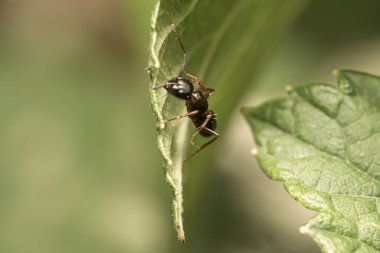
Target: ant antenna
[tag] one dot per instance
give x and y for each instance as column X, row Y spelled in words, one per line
column 207, row 91
column 182, row 47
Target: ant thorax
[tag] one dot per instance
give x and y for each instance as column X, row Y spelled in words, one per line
column 197, row 102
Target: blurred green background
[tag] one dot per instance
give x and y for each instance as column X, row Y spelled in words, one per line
column 79, row 170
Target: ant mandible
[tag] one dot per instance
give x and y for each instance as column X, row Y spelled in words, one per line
column 182, row 87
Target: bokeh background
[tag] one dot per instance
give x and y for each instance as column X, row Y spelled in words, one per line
column 79, row 170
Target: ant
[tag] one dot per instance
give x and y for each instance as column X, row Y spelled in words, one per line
column 182, row 87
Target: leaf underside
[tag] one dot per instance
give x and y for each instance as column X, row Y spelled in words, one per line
column 225, row 41
column 323, row 143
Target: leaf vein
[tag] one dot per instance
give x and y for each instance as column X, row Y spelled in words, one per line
column 349, row 164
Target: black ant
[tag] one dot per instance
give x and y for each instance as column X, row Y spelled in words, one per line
column 182, row 87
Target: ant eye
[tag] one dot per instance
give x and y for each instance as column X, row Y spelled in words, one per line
column 185, row 87
column 179, row 88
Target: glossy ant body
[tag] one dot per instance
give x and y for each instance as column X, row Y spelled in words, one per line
column 182, row 87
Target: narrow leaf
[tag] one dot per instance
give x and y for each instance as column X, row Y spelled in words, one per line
column 225, row 41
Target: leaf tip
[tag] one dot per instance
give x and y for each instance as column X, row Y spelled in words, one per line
column 181, row 237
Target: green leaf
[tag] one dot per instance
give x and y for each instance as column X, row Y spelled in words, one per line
column 323, row 142
column 226, row 41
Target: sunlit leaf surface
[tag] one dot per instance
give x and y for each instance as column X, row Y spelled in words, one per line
column 323, row 142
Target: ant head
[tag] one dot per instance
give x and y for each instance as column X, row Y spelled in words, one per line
column 179, row 87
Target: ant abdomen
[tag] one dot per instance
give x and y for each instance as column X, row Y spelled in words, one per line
column 179, row 87
column 211, row 124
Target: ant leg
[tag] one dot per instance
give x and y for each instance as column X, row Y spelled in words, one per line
column 174, row 30
column 196, row 80
column 182, row 116
column 189, row 114
column 216, row 136
column 210, row 91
